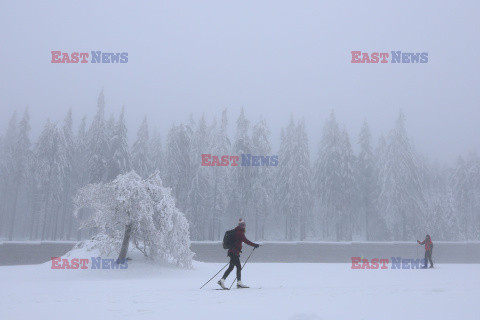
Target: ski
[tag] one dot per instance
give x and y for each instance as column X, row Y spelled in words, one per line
column 236, row 288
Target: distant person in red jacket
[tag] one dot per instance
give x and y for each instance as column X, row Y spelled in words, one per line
column 234, row 254
column 428, row 250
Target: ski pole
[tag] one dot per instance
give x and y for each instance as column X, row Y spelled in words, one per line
column 242, row 268
column 214, row 275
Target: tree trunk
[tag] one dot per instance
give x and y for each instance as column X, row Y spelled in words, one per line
column 125, row 243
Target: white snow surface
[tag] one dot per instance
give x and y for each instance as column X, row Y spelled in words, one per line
column 297, row 291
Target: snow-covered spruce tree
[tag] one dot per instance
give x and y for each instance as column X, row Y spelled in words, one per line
column 8, row 169
column 157, row 154
column 366, row 175
column 401, row 200
column 80, row 168
column 443, row 224
column 110, row 131
column 120, row 160
column 69, row 183
column 262, row 180
column 130, row 209
column 98, row 144
column 220, row 145
column 178, row 164
column 282, row 206
column 50, row 169
column 15, row 160
column 303, row 182
column 242, row 176
column 349, row 211
column 199, row 193
column 293, row 196
column 334, row 182
column 22, row 164
column 465, row 184
column 141, row 161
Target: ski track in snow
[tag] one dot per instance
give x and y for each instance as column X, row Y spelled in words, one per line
column 292, row 291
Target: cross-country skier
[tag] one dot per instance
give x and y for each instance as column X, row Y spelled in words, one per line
column 428, row 250
column 234, row 254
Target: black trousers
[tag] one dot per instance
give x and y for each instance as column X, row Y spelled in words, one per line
column 234, row 262
column 428, row 257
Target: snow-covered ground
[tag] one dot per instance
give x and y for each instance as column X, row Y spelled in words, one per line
column 287, row 291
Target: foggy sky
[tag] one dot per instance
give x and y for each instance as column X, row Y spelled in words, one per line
column 273, row 58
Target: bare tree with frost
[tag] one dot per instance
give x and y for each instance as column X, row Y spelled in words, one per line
column 143, row 212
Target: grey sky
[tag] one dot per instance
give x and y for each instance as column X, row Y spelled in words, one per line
column 274, row 58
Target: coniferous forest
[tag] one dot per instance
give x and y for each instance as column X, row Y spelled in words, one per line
column 385, row 191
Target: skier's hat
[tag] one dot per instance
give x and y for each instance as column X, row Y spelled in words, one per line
column 241, row 223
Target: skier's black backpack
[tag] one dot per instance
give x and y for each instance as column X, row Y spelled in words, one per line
column 229, row 239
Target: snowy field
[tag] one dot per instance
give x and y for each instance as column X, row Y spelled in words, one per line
column 279, row 291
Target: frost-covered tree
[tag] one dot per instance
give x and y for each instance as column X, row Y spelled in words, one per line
column 401, row 199
column 8, row 167
column 178, row 165
column 172, row 241
column 130, row 209
column 98, row 144
column 50, row 173
column 303, row 183
column 293, row 183
column 282, row 205
column 443, row 223
column 81, row 154
column 335, row 182
column 16, row 156
column 199, row 193
column 157, row 154
column 220, row 145
column 69, row 182
column 262, row 192
column 141, row 161
column 366, row 173
column 242, row 176
column 349, row 211
column 465, row 184
column 119, row 161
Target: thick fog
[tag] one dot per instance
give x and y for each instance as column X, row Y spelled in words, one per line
column 365, row 151
column 273, row 58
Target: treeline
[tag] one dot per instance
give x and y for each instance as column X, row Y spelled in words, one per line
column 384, row 192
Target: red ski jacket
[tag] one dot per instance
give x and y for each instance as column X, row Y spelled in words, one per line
column 239, row 239
column 428, row 244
